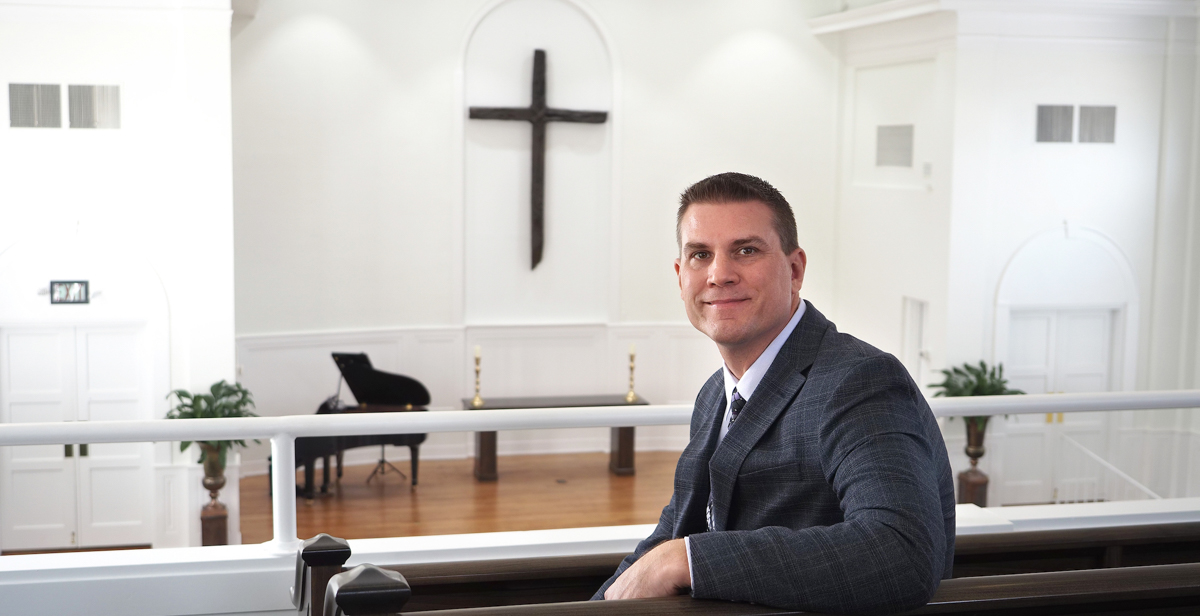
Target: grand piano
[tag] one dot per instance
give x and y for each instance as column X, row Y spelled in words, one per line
column 377, row 392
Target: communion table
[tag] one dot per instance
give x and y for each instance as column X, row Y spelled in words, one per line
column 621, row 457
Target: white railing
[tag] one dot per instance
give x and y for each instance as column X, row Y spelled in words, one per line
column 283, row 431
column 1085, row 477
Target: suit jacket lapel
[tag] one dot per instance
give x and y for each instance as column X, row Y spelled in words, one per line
column 774, row 393
column 690, row 514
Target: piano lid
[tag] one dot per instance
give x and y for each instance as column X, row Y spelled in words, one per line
column 371, row 386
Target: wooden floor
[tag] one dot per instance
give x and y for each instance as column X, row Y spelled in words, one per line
column 534, row 492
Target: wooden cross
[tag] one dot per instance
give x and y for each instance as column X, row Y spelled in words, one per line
column 538, row 114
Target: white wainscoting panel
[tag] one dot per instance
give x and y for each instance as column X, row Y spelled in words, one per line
column 291, row 374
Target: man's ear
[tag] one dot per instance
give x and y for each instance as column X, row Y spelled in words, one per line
column 678, row 277
column 798, row 262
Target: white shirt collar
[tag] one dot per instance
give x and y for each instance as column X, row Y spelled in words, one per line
column 755, row 373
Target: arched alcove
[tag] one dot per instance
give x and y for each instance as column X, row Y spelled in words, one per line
column 572, row 284
column 1076, row 270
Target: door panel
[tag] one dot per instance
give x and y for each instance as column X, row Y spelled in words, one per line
column 114, row 481
column 1085, row 340
column 1030, row 351
column 37, row 485
column 1053, row 351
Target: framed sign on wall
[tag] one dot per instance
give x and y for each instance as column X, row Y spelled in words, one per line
column 68, row 291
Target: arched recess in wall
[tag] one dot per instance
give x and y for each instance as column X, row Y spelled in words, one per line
column 126, row 291
column 574, row 282
column 1067, row 314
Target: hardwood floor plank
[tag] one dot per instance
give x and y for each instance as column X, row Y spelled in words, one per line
column 534, row 492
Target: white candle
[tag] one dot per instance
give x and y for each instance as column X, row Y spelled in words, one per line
column 632, row 349
column 477, row 353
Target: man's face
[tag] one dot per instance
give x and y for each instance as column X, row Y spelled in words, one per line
column 737, row 285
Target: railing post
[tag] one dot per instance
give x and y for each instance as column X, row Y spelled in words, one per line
column 283, row 497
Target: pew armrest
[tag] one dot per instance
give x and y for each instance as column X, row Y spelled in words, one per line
column 366, row 590
column 317, row 560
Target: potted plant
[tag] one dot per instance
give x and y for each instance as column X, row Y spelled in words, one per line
column 222, row 400
column 969, row 380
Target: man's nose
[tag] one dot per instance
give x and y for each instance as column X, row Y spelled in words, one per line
column 722, row 271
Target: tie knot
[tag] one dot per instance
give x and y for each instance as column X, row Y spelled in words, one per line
column 735, row 407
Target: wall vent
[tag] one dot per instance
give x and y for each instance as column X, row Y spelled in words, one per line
column 1097, row 124
column 34, row 105
column 894, row 146
column 95, row 106
column 1055, row 123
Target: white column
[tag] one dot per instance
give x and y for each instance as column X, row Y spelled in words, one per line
column 283, row 486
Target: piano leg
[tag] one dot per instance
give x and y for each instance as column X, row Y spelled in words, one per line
column 414, row 460
column 325, row 474
column 309, row 478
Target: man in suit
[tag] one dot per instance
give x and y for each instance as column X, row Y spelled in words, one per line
column 816, row 477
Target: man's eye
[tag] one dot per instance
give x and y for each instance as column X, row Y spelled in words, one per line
column 747, row 250
column 700, row 254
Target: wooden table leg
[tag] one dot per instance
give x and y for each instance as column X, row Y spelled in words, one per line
column 485, row 456
column 621, row 456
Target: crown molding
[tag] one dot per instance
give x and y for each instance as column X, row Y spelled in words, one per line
column 896, row 10
column 884, row 12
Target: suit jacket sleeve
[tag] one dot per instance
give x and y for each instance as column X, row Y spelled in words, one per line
column 666, row 529
column 887, row 555
column 663, row 532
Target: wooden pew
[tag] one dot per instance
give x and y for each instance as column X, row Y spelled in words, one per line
column 526, row 581
column 1075, row 549
column 1159, row 590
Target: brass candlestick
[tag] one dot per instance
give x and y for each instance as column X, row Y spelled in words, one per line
column 476, row 402
column 631, row 397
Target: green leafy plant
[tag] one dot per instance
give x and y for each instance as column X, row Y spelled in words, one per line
column 222, row 400
column 969, row 380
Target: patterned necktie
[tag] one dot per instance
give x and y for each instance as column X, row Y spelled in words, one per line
column 736, row 406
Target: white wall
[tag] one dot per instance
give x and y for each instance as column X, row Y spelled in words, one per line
column 143, row 212
column 893, row 235
column 1134, row 193
column 956, row 245
column 366, row 217
column 157, row 190
column 348, row 152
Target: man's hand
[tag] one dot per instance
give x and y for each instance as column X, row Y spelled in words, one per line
column 661, row 572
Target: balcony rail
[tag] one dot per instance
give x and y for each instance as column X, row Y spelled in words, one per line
column 1088, row 478
column 283, row 431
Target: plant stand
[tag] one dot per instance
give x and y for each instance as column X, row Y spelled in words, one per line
column 214, row 517
column 973, row 483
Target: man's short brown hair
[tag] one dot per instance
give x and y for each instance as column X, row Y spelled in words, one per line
column 731, row 187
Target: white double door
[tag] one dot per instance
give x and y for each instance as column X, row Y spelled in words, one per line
column 1052, row 351
column 80, row 494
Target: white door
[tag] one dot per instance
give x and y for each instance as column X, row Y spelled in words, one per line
column 37, row 487
column 81, row 495
column 1053, row 351
column 114, row 479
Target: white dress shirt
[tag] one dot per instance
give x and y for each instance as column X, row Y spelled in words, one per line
column 746, row 386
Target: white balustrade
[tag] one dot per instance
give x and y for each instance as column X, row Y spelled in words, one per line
column 282, row 431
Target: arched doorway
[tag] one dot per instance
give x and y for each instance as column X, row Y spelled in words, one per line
column 1066, row 322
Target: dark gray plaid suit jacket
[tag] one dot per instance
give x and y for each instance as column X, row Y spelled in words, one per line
column 831, row 493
